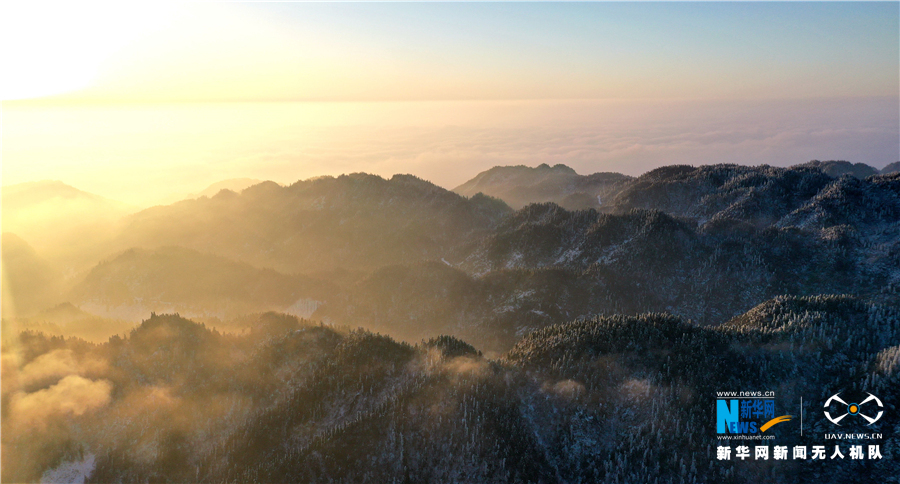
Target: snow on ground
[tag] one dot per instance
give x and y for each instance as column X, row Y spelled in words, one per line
column 70, row 472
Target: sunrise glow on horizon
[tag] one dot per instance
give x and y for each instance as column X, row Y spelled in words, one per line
column 439, row 51
column 117, row 98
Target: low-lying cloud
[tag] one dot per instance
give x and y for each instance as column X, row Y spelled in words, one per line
column 57, row 364
column 73, row 395
column 444, row 142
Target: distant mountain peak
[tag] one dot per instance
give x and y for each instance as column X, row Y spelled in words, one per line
column 558, row 168
column 891, row 168
column 838, row 168
column 521, row 185
column 23, row 195
column 63, row 313
column 233, row 184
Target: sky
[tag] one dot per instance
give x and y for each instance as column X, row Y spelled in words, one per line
column 113, row 97
column 451, row 51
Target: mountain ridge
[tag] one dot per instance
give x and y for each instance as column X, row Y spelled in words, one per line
column 310, row 402
column 520, row 185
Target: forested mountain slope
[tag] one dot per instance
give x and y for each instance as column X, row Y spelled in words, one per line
column 600, row 400
column 352, row 221
column 413, row 260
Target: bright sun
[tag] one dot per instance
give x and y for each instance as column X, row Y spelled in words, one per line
column 56, row 47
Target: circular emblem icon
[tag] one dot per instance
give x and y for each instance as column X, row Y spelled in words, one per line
column 854, row 409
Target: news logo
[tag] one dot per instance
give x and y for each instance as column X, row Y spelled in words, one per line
column 752, row 413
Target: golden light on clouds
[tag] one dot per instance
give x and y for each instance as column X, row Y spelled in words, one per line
column 73, row 395
column 148, row 102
